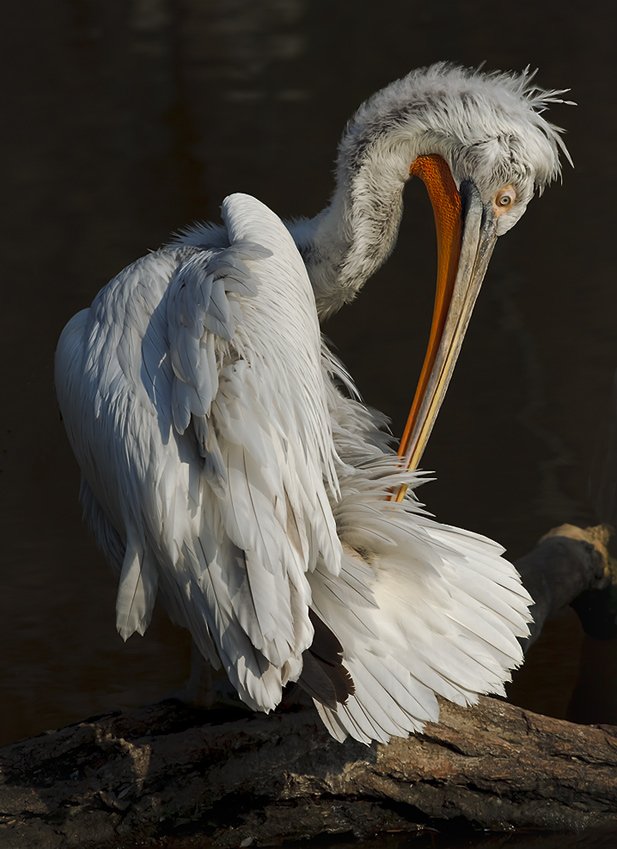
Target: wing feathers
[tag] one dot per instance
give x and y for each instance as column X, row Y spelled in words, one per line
column 136, row 591
column 421, row 610
column 245, row 353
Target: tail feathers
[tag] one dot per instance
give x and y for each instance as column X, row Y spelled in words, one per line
column 388, row 702
column 422, row 611
column 323, row 675
column 327, row 685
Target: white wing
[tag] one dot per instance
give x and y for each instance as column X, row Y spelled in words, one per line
column 194, row 399
column 421, row 609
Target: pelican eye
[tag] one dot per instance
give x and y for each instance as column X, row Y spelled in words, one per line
column 504, row 200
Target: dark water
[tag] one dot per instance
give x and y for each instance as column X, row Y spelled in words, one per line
column 125, row 120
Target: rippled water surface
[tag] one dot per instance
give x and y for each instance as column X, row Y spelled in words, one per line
column 125, row 120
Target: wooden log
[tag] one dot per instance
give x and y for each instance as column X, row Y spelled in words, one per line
column 237, row 779
column 150, row 772
column 568, row 565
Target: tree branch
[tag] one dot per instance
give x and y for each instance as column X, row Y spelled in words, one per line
column 236, row 778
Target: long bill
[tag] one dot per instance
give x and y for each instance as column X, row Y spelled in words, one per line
column 465, row 231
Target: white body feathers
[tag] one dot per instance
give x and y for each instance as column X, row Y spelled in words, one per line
column 225, row 471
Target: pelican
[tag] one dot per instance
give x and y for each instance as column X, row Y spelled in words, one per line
column 230, row 469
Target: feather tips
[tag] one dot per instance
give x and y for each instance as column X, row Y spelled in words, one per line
column 421, row 609
column 136, row 591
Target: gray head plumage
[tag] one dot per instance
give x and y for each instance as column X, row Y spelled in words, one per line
column 488, row 126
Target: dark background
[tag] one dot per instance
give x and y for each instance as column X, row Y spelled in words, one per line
column 125, row 120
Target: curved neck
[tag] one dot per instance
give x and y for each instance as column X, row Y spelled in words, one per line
column 353, row 236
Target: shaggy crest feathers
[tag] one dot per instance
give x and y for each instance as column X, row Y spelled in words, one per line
column 489, row 127
column 465, row 108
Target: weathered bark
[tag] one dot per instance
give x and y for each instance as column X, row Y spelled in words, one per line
column 232, row 777
column 570, row 565
column 147, row 772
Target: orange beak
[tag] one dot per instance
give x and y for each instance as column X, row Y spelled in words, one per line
column 465, row 231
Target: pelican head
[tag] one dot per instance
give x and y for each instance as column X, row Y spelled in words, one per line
column 483, row 148
column 489, row 128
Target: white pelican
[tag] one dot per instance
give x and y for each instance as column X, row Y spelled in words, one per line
column 227, row 466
